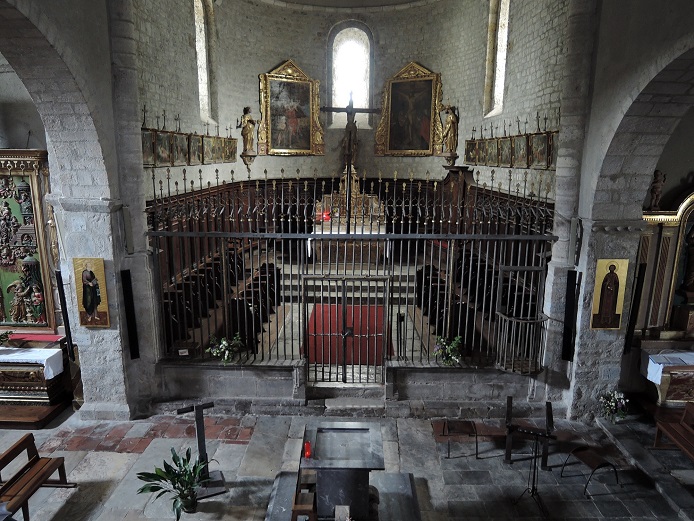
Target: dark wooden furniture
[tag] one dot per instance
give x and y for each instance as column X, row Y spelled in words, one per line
column 453, row 428
column 592, row 460
column 521, row 428
column 36, row 473
column 304, row 503
column 680, row 433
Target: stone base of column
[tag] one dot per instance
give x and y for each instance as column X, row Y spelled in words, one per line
column 105, row 411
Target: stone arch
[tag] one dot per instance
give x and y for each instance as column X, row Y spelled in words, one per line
column 642, row 128
column 58, row 99
column 77, row 117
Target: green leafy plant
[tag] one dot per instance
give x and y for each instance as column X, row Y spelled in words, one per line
column 448, row 351
column 225, row 349
column 180, row 479
column 614, row 404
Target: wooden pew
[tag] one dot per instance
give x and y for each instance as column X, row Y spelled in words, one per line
column 680, row 433
column 35, row 474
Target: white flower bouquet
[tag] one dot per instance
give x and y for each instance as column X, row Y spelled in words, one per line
column 225, row 349
column 448, row 351
column 614, row 404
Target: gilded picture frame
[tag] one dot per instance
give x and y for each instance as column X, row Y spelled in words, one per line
column 608, row 293
column 230, row 146
column 289, row 105
column 179, row 149
column 147, row 147
column 410, row 123
column 194, row 149
column 520, row 151
column 208, row 150
column 492, row 152
column 539, row 148
column 29, row 251
column 162, row 148
column 90, row 285
column 505, row 151
column 471, row 151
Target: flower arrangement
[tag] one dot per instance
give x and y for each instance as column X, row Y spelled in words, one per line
column 448, row 351
column 225, row 349
column 614, row 403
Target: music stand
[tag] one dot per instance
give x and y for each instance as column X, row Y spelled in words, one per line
column 214, row 484
column 531, row 489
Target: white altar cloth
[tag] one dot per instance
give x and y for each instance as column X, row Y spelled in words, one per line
column 51, row 359
column 652, row 365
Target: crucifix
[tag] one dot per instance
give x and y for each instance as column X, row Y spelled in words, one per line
column 144, row 116
column 177, row 122
column 474, row 131
column 546, row 122
column 163, row 127
column 518, row 123
column 538, row 121
column 349, row 145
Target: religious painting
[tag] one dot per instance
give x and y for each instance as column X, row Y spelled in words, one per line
column 492, row 152
column 180, row 149
column 539, row 150
column 520, row 151
column 147, row 147
column 505, row 151
column 608, row 294
column 162, row 155
column 90, row 284
column 208, row 152
column 26, row 261
column 195, row 149
column 409, row 124
column 218, row 150
column 230, row 146
column 554, row 147
column 289, row 104
column 471, row 151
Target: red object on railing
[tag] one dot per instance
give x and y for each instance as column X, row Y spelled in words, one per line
column 307, row 449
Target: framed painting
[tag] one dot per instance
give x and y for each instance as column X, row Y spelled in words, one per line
column 539, row 149
column 162, row 154
column 492, row 152
column 147, row 147
column 608, row 293
column 520, row 151
column 505, row 155
column 195, row 149
column 179, row 149
column 218, row 150
column 410, row 125
column 471, row 151
column 290, row 106
column 230, row 146
column 208, row 152
column 90, row 282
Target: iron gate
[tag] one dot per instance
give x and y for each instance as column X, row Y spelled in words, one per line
column 253, row 260
column 346, row 335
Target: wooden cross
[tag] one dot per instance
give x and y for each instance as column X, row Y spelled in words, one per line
column 474, row 130
column 163, row 127
column 350, row 135
column 538, row 121
column 518, row 123
column 144, row 116
column 545, row 122
column 177, row 121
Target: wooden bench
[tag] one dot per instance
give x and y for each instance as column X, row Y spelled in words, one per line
column 592, row 459
column 34, row 474
column 680, row 433
column 304, row 503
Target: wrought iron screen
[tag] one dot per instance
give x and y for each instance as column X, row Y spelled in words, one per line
column 424, row 259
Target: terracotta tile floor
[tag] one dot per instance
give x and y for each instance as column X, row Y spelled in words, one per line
column 118, row 437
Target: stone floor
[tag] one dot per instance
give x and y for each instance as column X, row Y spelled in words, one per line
column 104, row 458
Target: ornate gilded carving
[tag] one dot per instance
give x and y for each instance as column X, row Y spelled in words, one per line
column 410, row 123
column 289, row 102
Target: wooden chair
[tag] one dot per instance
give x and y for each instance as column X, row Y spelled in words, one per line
column 522, row 428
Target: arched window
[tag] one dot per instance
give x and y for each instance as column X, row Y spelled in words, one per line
column 351, row 70
column 497, row 47
column 203, row 50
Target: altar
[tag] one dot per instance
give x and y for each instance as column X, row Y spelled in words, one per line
column 672, row 373
column 349, row 211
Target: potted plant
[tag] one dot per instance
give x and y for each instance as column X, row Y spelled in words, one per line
column 180, row 479
column 448, row 351
column 226, row 349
